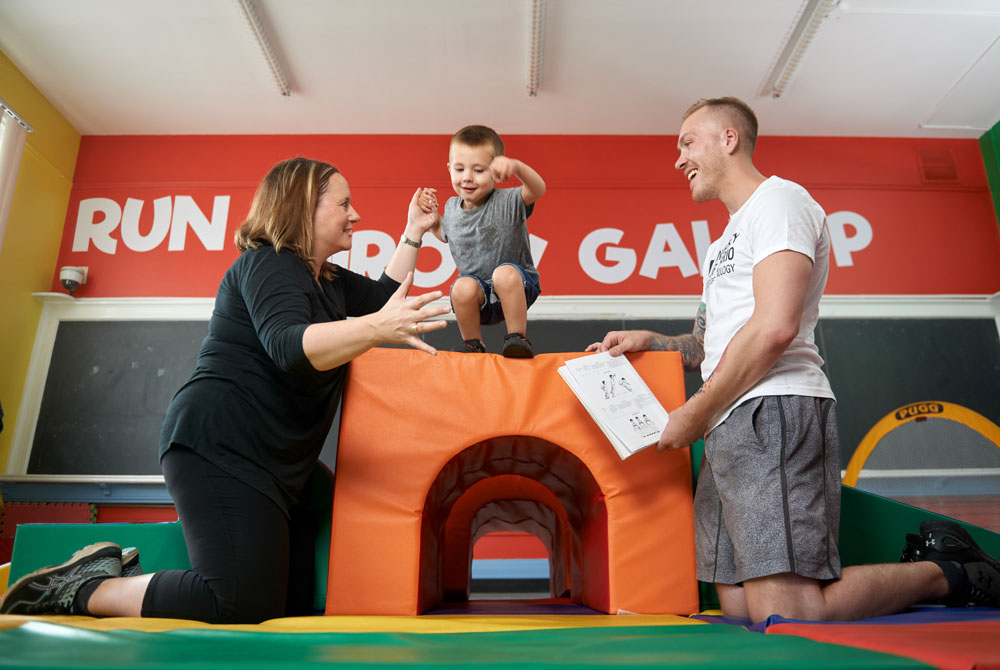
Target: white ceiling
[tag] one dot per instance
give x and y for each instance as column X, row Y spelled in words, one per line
column 890, row 68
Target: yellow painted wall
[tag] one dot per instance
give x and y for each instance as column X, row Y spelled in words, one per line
column 34, row 231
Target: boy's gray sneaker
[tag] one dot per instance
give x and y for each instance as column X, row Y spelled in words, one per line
column 51, row 590
column 130, row 562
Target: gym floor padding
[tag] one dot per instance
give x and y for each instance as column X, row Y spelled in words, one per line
column 961, row 645
column 45, row 644
column 949, row 638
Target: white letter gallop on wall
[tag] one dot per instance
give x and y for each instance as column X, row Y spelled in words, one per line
column 623, row 260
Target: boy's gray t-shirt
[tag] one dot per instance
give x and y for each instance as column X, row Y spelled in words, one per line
column 496, row 232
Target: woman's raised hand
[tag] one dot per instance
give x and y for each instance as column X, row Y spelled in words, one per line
column 423, row 211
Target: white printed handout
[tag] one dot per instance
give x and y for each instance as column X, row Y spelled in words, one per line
column 617, row 399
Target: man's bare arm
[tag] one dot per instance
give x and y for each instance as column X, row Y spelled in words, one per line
column 691, row 346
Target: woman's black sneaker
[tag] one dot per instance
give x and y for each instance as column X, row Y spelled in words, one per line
column 52, row 590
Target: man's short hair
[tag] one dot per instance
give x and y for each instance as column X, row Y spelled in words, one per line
column 738, row 113
column 479, row 136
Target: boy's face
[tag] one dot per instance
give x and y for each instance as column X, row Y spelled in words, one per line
column 471, row 176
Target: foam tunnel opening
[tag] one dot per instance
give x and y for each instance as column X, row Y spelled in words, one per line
column 510, row 562
column 515, row 482
column 506, row 503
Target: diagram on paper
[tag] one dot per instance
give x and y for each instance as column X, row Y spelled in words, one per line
column 618, row 399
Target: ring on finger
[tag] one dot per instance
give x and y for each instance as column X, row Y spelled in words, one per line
column 416, row 329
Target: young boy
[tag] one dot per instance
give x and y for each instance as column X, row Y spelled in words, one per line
column 486, row 232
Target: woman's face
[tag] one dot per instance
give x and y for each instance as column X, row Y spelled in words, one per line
column 334, row 219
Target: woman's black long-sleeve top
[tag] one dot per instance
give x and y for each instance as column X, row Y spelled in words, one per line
column 255, row 406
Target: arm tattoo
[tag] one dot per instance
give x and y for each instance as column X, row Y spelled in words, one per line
column 699, row 325
column 692, row 350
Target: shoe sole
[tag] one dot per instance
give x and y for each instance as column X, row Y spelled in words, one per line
column 950, row 527
column 517, row 349
column 87, row 553
column 469, row 349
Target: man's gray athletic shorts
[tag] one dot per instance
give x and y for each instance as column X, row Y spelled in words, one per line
column 768, row 494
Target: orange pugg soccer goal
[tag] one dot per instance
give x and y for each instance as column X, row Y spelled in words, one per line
column 935, row 455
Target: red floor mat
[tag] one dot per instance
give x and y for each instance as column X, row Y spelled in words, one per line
column 961, row 645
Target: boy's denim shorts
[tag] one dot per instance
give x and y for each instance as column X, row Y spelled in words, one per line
column 491, row 312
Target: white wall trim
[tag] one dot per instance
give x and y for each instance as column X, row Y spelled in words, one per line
column 61, row 307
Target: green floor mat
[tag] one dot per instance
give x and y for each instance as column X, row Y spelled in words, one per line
column 44, row 645
column 873, row 528
column 161, row 545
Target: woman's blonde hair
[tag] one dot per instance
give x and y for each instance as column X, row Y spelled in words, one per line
column 281, row 213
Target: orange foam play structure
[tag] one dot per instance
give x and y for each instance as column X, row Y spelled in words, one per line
column 436, row 451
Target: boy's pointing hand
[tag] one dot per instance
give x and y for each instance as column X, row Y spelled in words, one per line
column 502, row 168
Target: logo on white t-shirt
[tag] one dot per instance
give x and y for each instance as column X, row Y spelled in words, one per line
column 723, row 263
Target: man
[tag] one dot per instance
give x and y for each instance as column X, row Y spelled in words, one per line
column 767, row 505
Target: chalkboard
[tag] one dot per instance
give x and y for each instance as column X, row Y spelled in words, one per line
column 110, row 382
column 878, row 365
column 107, row 390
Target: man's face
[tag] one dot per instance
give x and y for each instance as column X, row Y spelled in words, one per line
column 470, row 172
column 702, row 156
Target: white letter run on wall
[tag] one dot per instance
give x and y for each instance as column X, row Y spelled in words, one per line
column 131, row 236
column 99, row 232
column 187, row 213
column 171, row 216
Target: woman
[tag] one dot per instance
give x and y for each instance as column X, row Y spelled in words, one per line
column 241, row 437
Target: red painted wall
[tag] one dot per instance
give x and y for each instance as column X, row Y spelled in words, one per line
column 154, row 216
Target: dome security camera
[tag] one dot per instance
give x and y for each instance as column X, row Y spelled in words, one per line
column 71, row 277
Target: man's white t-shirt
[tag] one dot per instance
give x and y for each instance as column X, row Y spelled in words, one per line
column 779, row 216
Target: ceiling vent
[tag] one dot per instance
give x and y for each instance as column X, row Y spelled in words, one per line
column 937, row 165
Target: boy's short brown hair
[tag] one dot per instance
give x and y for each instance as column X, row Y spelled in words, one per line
column 479, row 136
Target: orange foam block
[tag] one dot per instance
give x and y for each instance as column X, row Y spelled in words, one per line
column 436, row 451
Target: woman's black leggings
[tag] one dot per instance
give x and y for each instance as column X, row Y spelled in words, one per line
column 249, row 561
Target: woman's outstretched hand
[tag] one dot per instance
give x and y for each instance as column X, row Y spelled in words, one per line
column 404, row 318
